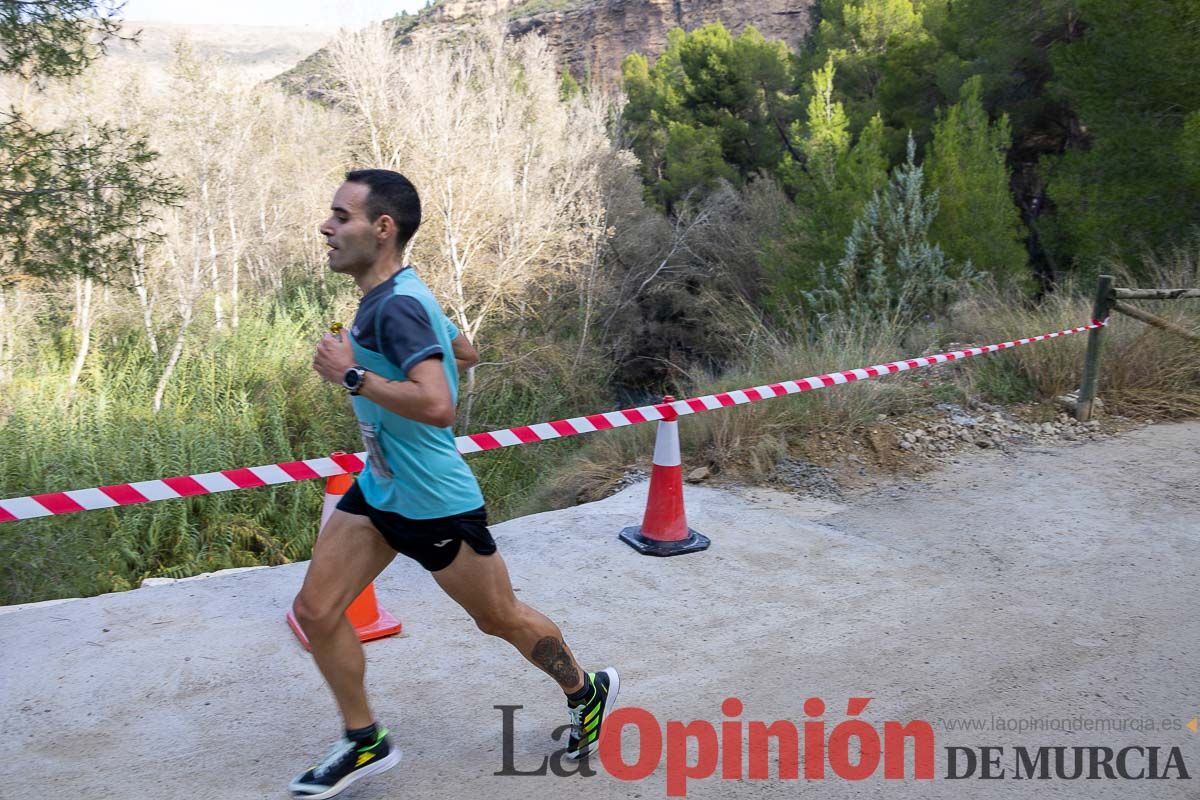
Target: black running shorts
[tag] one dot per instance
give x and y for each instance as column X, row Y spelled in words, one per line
column 431, row 542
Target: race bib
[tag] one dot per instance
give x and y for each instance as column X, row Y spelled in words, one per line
column 370, row 437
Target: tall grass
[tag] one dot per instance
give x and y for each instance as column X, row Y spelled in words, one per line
column 748, row 441
column 249, row 397
column 1145, row 372
column 535, row 381
column 236, row 399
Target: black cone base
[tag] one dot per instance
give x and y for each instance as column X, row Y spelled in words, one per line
column 694, row 542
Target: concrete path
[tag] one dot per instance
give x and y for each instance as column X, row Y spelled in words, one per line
column 1051, row 588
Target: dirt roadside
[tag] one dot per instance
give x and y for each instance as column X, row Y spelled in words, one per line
column 1042, row 585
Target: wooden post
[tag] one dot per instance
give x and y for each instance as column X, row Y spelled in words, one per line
column 1091, row 363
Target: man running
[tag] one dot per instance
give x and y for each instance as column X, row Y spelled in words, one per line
column 416, row 495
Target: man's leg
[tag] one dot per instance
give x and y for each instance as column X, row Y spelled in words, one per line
column 480, row 584
column 348, row 555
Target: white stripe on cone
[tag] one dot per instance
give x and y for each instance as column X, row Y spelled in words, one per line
column 666, row 445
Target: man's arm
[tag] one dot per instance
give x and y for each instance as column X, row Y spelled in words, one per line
column 465, row 354
column 424, row 397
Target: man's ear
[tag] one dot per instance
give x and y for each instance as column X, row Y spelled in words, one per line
column 385, row 226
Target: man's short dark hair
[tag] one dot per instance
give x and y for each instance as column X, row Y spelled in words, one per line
column 393, row 194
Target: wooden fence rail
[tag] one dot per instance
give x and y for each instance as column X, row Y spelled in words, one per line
column 1108, row 300
column 1154, row 294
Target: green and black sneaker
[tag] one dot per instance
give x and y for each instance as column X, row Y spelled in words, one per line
column 587, row 718
column 346, row 762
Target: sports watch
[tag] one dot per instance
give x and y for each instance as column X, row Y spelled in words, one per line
column 353, row 378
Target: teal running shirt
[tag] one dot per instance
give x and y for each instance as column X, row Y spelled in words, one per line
column 413, row 469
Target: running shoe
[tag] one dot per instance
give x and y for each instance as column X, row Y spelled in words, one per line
column 346, row 762
column 587, row 718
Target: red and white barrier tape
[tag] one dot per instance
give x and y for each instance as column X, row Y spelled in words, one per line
column 124, row 494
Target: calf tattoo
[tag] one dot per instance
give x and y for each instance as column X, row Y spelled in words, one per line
column 551, row 655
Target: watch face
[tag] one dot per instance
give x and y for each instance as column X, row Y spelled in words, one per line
column 352, row 378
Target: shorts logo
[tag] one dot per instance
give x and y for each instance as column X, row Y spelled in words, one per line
column 442, row 543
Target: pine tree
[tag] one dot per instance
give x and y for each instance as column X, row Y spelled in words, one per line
column 1131, row 78
column 1189, row 148
column 1008, row 44
column 967, row 166
column 890, row 270
column 55, row 38
column 828, row 131
column 709, row 87
column 830, row 188
column 887, row 59
column 73, row 202
column 693, row 163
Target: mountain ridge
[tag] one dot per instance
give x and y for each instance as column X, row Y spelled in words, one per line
column 592, row 37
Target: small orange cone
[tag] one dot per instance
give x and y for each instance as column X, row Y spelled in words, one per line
column 664, row 530
column 369, row 620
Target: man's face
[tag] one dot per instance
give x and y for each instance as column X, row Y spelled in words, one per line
column 354, row 241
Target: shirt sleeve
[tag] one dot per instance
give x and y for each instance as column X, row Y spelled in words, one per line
column 451, row 330
column 406, row 335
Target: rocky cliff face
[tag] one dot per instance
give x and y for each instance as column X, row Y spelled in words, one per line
column 593, row 36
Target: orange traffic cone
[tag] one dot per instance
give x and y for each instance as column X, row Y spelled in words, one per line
column 369, row 620
column 664, row 530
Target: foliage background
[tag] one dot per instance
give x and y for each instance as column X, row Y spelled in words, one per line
column 920, row 172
